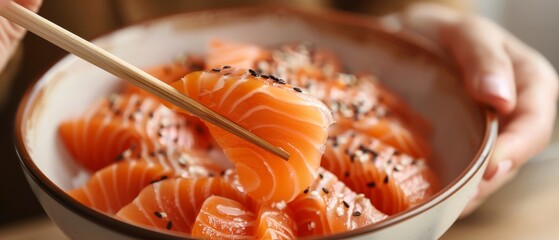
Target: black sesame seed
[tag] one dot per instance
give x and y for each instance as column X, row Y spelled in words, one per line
column 152, row 154
column 281, row 81
column 356, row 214
column 395, row 169
column 274, row 78
column 385, row 180
column 169, row 225
column 265, row 76
column 222, row 173
column 119, row 157
column 396, row 153
column 325, row 190
column 163, row 177
column 321, row 176
column 297, row 89
column 253, row 73
column 158, row 214
column 306, row 190
column 371, row 185
column 352, row 157
column 346, row 174
column 216, row 69
column 226, row 67
column 414, row 162
column 347, row 151
column 345, row 204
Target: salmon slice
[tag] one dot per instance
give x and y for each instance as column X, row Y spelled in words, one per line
column 392, row 180
column 223, row 218
column 328, row 206
column 79, row 135
column 173, row 204
column 239, row 55
column 275, row 221
column 122, row 122
column 169, row 72
column 279, row 113
column 114, row 186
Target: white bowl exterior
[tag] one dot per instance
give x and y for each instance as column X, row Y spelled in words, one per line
column 72, row 85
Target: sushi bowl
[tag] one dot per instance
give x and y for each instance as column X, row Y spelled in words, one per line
column 463, row 133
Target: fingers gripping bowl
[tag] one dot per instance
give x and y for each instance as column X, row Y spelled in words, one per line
column 462, row 132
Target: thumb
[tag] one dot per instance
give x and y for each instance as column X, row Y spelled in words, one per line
column 475, row 43
column 479, row 49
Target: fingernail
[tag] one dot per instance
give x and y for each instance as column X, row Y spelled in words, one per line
column 503, row 167
column 495, row 85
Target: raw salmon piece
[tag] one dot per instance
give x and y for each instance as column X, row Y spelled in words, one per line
column 173, row 204
column 239, row 55
column 275, row 221
column 328, row 206
column 135, row 122
column 169, row 72
column 95, row 143
column 392, row 180
column 279, row 113
column 114, row 186
column 223, row 218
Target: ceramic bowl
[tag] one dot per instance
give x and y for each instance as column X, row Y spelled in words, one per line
column 463, row 133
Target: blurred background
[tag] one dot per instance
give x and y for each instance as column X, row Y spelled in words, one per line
column 525, row 208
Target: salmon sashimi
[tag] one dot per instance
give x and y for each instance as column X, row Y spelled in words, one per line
column 173, row 204
column 223, row 218
column 328, row 206
column 275, row 221
column 392, row 180
column 240, row 55
column 114, row 186
column 121, row 122
column 169, row 72
column 277, row 112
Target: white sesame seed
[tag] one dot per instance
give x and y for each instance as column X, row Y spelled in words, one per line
column 280, row 205
column 312, row 225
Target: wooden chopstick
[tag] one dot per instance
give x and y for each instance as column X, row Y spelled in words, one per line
column 120, row 68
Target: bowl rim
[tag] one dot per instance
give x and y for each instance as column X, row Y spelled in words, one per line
column 402, row 37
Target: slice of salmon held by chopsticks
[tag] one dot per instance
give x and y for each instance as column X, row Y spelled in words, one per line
column 279, row 113
column 392, row 180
